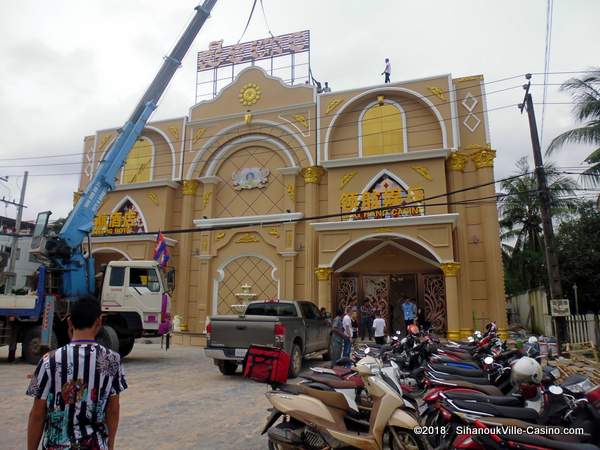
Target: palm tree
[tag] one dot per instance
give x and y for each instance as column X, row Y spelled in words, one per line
column 521, row 224
column 585, row 92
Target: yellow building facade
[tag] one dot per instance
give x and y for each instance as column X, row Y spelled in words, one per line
column 364, row 196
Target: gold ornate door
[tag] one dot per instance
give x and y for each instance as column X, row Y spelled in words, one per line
column 376, row 290
column 434, row 296
column 346, row 292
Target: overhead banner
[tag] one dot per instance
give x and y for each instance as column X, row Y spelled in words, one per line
column 284, row 44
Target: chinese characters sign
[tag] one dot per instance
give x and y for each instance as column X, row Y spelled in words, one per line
column 126, row 219
column 285, row 44
column 386, row 199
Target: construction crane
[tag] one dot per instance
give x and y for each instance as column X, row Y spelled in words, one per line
column 67, row 272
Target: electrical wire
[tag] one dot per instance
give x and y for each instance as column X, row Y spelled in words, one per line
column 547, row 53
column 323, row 116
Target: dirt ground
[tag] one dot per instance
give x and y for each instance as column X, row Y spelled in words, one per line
column 175, row 400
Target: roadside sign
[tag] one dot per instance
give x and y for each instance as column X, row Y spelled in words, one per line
column 560, row 307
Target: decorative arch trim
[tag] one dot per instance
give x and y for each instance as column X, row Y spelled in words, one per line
column 350, row 244
column 126, row 198
column 381, row 173
column 421, row 97
column 217, row 158
column 404, row 123
column 111, row 249
column 221, row 275
column 227, row 130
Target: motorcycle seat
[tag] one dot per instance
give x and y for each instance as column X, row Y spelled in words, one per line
column 451, row 376
column 455, row 349
column 501, row 400
column 525, row 414
column 329, row 398
column 445, row 359
column 329, row 380
column 487, row 389
column 542, row 442
column 444, row 368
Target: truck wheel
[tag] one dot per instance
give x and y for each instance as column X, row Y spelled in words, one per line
column 227, row 367
column 32, row 348
column 125, row 346
column 107, row 337
column 295, row 361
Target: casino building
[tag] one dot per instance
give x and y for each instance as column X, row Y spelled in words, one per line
column 371, row 194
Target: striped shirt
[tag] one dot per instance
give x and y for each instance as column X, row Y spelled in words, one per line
column 76, row 381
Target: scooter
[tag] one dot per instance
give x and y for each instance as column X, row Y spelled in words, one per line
column 316, row 419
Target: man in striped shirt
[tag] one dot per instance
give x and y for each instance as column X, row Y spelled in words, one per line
column 76, row 388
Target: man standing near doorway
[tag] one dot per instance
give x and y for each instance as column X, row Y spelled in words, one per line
column 347, row 325
column 387, row 71
column 409, row 309
column 337, row 337
column 379, row 329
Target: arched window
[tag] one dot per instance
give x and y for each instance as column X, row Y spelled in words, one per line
column 382, row 130
column 138, row 167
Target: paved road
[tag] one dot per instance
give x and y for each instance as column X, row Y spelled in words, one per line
column 175, row 400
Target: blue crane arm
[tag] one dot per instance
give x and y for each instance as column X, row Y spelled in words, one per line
column 66, row 251
column 80, row 221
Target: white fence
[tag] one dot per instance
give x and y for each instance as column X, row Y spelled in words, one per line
column 530, row 310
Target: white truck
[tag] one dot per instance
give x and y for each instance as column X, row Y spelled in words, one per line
column 135, row 298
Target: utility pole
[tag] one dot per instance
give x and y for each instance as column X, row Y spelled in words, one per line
column 15, row 240
column 562, row 332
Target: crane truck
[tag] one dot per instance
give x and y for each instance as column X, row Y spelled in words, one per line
column 135, row 295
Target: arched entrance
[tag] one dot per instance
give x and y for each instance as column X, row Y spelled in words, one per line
column 381, row 272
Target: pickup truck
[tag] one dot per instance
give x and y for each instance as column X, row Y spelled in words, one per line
column 295, row 326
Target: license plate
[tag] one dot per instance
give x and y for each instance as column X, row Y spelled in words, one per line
column 240, row 352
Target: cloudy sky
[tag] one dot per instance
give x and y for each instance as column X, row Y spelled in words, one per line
column 72, row 67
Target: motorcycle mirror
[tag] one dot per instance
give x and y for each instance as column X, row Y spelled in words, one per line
column 488, row 360
column 556, row 390
column 532, row 340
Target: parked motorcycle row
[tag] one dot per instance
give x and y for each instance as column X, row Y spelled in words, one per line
column 419, row 393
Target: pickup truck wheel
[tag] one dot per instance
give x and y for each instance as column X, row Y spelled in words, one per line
column 295, row 361
column 125, row 346
column 32, row 348
column 227, row 367
column 107, row 336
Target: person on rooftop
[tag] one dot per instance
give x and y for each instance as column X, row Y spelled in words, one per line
column 387, row 71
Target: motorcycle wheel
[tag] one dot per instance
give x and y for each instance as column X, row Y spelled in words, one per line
column 402, row 439
column 429, row 419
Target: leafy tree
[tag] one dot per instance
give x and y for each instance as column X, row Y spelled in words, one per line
column 578, row 243
column 585, row 92
column 521, row 224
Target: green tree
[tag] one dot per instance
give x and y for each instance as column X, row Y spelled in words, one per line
column 578, row 243
column 585, row 92
column 521, row 224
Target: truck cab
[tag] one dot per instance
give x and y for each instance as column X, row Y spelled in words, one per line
column 135, row 297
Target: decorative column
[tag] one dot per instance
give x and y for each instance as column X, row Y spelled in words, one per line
column 456, row 167
column 204, row 245
column 484, row 162
column 324, row 275
column 188, row 190
column 312, row 178
column 450, row 270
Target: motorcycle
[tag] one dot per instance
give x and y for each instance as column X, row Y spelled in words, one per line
column 317, row 419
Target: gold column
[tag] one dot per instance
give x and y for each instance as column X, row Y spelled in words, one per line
column 189, row 189
column 312, row 177
column 456, row 167
column 484, row 162
column 205, row 283
column 450, row 270
column 324, row 275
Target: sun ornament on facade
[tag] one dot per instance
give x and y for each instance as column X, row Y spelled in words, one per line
column 249, row 94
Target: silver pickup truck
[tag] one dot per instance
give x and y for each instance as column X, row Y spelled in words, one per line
column 295, row 326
